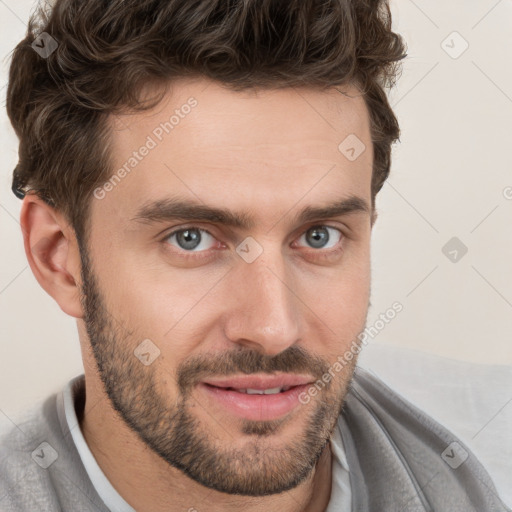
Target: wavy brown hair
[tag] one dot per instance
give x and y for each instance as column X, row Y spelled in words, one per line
column 108, row 50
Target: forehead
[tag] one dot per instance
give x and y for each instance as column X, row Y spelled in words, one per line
column 269, row 148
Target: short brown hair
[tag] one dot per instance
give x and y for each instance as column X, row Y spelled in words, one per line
column 109, row 50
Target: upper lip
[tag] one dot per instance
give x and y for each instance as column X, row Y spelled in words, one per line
column 260, row 381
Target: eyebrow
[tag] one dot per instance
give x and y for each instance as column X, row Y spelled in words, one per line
column 171, row 209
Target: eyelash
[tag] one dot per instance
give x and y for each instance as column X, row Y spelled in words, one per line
column 328, row 253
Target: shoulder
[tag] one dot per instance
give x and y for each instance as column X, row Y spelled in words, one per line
column 399, row 450
column 24, row 453
column 40, row 468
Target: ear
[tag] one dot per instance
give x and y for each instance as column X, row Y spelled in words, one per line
column 52, row 253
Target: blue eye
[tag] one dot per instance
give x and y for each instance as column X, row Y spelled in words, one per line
column 194, row 242
column 320, row 237
column 191, row 239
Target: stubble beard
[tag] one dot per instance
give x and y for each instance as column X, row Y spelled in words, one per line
column 263, row 466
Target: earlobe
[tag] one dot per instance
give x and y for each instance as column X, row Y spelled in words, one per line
column 52, row 253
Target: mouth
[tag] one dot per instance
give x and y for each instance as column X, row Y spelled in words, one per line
column 257, row 397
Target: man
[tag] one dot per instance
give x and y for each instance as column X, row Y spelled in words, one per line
column 199, row 184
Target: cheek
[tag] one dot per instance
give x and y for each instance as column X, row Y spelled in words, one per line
column 341, row 304
column 344, row 305
column 342, row 294
column 169, row 306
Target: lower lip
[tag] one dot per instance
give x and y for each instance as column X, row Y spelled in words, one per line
column 256, row 407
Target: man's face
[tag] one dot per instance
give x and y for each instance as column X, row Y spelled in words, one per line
column 190, row 317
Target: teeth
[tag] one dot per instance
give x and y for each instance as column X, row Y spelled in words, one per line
column 272, row 391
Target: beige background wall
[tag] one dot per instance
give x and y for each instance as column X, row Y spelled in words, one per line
column 451, row 177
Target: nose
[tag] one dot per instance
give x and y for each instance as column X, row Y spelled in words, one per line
column 264, row 312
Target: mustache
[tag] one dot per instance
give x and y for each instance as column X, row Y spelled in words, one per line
column 294, row 359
